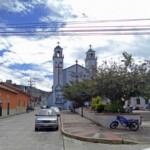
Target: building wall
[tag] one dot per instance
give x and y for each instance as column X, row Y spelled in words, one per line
column 140, row 102
column 17, row 101
column 74, row 73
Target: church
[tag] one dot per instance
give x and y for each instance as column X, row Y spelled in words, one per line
column 62, row 75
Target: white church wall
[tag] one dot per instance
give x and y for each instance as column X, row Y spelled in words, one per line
column 57, row 70
column 67, row 105
column 74, row 73
column 50, row 100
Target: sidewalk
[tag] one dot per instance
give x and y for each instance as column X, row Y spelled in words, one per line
column 75, row 126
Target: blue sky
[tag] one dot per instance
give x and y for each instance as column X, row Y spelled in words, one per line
column 76, row 24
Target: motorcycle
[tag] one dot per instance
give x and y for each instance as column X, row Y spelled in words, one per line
column 132, row 124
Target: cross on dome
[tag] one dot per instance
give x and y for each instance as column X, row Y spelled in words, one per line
column 90, row 46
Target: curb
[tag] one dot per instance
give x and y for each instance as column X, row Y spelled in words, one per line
column 96, row 140
column 12, row 115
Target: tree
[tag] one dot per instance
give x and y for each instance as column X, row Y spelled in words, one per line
column 127, row 59
column 117, row 84
column 113, row 81
column 79, row 92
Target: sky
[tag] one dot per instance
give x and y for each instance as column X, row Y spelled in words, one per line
column 31, row 29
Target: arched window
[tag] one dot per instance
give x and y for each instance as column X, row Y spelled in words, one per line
column 58, row 53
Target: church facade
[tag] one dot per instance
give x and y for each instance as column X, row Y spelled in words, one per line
column 62, row 75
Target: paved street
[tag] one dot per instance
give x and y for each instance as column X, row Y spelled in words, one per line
column 17, row 133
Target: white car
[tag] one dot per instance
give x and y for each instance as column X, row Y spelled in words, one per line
column 46, row 119
column 56, row 109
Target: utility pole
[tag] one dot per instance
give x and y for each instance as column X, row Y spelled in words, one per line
column 31, row 83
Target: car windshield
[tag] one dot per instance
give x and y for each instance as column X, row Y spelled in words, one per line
column 47, row 113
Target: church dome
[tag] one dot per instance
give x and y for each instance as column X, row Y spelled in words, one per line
column 90, row 50
column 58, row 48
column 58, row 51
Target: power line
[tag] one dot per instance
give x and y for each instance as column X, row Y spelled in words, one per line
column 84, row 22
column 79, row 34
column 83, row 28
column 65, row 27
column 120, row 31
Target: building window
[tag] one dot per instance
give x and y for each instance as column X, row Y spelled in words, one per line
column 146, row 101
column 138, row 101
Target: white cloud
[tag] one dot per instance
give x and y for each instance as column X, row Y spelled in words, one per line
column 106, row 9
column 19, row 6
column 39, row 51
column 31, row 51
column 13, row 6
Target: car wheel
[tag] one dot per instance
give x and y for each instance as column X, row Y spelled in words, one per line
column 57, row 128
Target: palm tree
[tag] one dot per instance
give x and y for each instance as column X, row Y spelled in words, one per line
column 127, row 59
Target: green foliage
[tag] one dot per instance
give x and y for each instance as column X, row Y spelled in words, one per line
column 114, row 108
column 127, row 59
column 98, row 104
column 112, row 80
column 116, row 82
column 79, row 92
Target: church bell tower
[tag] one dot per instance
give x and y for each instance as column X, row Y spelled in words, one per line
column 91, row 59
column 57, row 75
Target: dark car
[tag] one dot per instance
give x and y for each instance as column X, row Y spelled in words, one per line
column 29, row 108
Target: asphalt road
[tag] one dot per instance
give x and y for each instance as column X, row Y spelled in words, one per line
column 17, row 133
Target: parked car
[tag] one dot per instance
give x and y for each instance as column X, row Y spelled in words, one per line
column 56, row 109
column 43, row 107
column 46, row 119
column 29, row 108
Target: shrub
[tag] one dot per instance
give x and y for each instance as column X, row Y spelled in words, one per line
column 114, row 108
column 98, row 104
